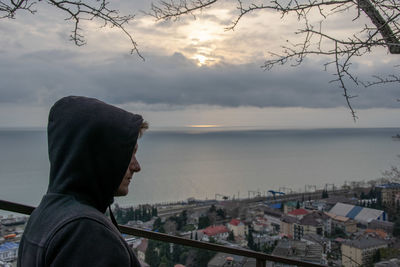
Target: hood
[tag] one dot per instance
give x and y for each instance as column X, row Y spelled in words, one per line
column 90, row 146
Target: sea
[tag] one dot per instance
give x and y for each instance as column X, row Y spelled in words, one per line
column 177, row 165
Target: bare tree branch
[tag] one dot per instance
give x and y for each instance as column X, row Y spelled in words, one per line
column 384, row 31
column 167, row 10
column 77, row 11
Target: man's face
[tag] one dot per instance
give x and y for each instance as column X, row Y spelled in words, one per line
column 133, row 167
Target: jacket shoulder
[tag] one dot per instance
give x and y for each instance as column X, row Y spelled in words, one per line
column 63, row 228
column 86, row 241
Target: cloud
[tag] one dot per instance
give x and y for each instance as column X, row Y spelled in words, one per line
column 175, row 80
column 39, row 66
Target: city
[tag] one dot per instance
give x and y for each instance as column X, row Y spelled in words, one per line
column 350, row 226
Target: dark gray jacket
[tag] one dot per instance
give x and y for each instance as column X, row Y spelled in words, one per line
column 90, row 147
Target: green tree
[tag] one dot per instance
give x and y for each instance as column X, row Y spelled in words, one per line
column 154, row 212
column 325, row 193
column 250, row 240
column 396, row 228
column 377, row 256
column 151, row 256
column 203, row 257
column 221, row 213
column 231, row 236
column 157, row 224
column 338, row 232
column 212, row 208
column 204, row 222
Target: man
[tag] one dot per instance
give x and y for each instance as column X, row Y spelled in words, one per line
column 92, row 148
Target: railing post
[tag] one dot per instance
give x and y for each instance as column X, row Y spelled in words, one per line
column 261, row 263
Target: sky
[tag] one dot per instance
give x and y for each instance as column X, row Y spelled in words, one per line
column 195, row 72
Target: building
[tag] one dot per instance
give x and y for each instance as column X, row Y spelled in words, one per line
column 273, row 218
column 324, row 242
column 386, row 226
column 260, row 225
column 238, row 228
column 224, row 259
column 315, row 205
column 349, row 226
column 289, row 206
column 8, row 251
column 360, row 252
column 360, row 214
column 312, row 223
column 390, row 194
column 298, row 250
column 332, row 200
column 287, row 226
column 216, row 232
column 388, row 263
column 377, row 233
column 298, row 213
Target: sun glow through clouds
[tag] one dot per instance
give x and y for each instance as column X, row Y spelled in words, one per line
column 204, row 125
column 201, row 60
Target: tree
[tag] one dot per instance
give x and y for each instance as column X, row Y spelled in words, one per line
column 203, row 257
column 221, row 213
column 152, row 256
column 382, row 31
column 392, row 175
column 231, row 236
column 76, row 11
column 157, row 224
column 250, row 240
column 204, row 222
column 377, row 256
column 396, row 228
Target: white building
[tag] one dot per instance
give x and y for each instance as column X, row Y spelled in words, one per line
column 8, row 251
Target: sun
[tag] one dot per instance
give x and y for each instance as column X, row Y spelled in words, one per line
column 201, row 60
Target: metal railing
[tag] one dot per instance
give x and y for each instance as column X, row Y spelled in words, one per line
column 261, row 258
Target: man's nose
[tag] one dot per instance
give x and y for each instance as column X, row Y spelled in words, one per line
column 134, row 166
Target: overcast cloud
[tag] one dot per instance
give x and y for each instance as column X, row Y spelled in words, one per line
column 39, row 65
column 45, row 76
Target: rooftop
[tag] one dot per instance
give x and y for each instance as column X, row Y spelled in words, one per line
column 215, row 230
column 298, row 212
column 314, row 218
column 235, row 222
column 377, row 232
column 298, row 250
column 289, row 219
column 365, row 242
column 337, row 217
column 225, row 259
column 8, row 246
column 356, row 212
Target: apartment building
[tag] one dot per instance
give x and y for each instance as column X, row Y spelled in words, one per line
column 237, row 227
column 390, row 194
column 360, row 252
column 313, row 223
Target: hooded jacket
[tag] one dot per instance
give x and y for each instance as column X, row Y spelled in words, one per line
column 90, row 146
